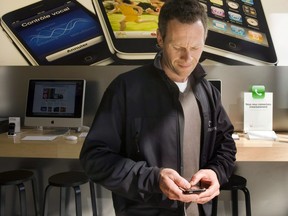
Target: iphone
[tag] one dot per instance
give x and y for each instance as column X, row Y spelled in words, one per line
column 57, row 32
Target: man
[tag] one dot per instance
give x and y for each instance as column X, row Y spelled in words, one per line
column 161, row 128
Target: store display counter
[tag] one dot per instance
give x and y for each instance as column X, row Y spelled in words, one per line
column 247, row 150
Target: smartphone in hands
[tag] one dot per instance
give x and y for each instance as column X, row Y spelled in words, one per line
column 193, row 190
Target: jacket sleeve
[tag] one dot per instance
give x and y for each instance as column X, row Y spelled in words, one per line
column 102, row 155
column 225, row 147
column 223, row 156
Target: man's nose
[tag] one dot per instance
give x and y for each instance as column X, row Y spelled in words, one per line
column 187, row 54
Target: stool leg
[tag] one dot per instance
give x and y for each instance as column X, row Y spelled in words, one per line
column 2, row 202
column 247, row 201
column 234, row 195
column 22, row 196
column 214, row 206
column 78, row 200
column 35, row 196
column 62, row 201
column 45, row 202
column 93, row 198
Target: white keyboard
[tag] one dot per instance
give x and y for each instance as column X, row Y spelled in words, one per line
column 41, row 138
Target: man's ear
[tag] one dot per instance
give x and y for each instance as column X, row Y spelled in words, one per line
column 159, row 39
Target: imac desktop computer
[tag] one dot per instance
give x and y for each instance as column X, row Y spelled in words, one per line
column 55, row 104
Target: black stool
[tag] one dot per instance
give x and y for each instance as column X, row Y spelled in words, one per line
column 70, row 179
column 234, row 184
column 18, row 178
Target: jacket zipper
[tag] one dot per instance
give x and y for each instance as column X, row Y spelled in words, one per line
column 137, row 133
column 137, row 141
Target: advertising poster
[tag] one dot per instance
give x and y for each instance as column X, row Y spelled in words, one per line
column 100, row 32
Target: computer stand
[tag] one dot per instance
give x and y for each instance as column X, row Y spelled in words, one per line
column 53, row 130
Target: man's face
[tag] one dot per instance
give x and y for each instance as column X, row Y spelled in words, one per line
column 182, row 48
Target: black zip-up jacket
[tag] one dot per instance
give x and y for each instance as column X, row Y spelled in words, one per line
column 138, row 130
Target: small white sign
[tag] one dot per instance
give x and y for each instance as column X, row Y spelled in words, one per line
column 258, row 112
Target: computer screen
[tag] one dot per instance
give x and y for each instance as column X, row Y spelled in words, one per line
column 55, row 103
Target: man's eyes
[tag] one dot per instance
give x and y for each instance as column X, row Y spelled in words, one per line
column 177, row 48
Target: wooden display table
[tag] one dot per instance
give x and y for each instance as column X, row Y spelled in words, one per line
column 247, row 150
column 58, row 148
column 262, row 150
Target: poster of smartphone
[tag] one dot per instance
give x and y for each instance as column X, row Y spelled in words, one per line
column 57, row 32
column 238, row 29
column 130, row 27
